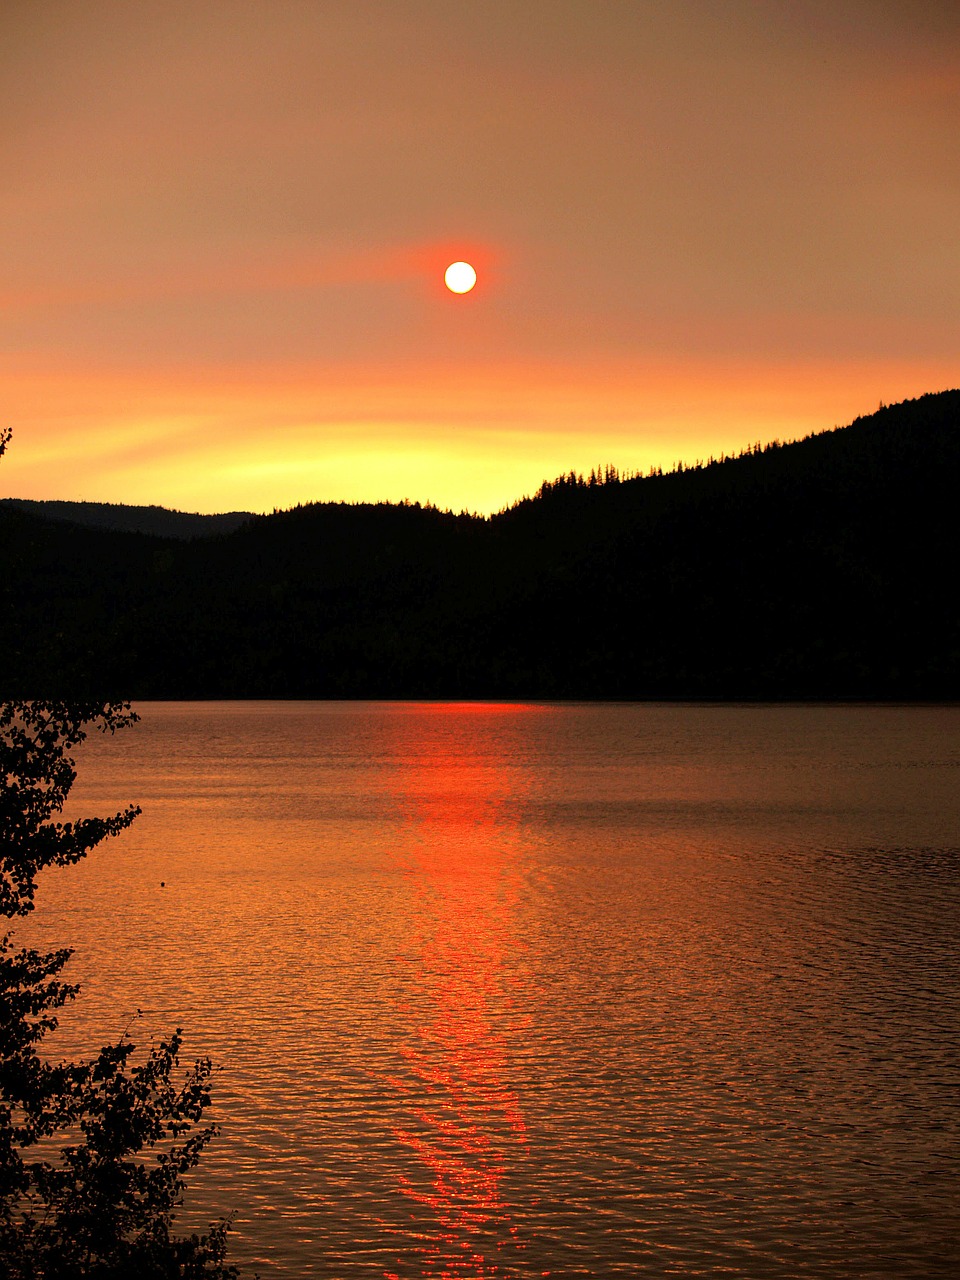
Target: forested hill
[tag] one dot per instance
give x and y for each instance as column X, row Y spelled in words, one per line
column 116, row 515
column 820, row 569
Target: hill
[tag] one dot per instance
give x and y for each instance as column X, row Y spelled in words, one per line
column 159, row 521
column 818, row 569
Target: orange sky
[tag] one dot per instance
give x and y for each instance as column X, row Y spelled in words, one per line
column 223, row 230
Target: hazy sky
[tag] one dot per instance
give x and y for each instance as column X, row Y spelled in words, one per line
column 697, row 223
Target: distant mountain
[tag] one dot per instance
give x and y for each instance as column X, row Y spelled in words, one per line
column 158, row 521
column 822, row 569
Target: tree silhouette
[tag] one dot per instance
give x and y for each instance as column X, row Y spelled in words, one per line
column 93, row 1154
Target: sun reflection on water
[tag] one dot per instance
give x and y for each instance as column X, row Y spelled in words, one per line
column 463, row 1127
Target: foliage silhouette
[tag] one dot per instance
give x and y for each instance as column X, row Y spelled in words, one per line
column 93, row 1154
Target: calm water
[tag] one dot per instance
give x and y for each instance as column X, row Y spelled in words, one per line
column 526, row 991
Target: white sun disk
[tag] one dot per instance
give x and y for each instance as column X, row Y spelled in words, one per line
column 460, row 277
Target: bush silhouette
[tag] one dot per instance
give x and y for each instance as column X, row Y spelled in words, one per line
column 93, row 1154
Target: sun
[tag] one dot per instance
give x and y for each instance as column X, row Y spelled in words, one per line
column 460, row 277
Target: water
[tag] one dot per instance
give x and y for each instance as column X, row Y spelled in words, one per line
column 547, row 990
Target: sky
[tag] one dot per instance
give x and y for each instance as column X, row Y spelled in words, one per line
column 696, row 224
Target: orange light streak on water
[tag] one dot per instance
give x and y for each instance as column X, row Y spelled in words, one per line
column 465, row 1125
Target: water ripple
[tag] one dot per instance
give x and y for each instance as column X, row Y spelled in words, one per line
column 545, row 991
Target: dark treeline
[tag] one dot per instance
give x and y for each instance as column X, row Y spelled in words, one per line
column 818, row 569
column 116, row 515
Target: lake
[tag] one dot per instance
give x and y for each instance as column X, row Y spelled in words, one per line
column 543, row 990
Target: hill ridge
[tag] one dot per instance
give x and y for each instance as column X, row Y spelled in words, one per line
column 172, row 522
column 816, row 569
column 125, row 517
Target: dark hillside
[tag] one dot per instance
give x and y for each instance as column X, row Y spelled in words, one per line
column 820, row 569
column 158, row 521
column 317, row 601
column 66, row 596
